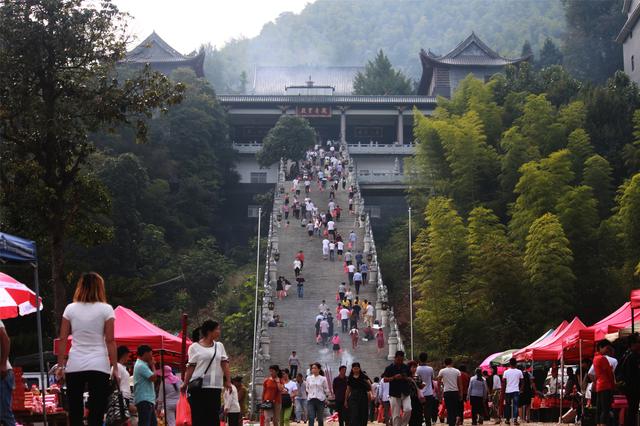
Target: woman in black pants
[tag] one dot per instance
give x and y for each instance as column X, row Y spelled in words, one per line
column 92, row 359
column 207, row 361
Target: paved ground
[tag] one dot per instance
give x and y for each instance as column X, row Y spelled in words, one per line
column 322, row 280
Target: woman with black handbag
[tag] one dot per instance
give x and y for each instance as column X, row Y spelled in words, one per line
column 271, row 404
column 207, row 373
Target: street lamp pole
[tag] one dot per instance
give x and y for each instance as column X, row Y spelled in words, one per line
column 255, row 318
column 410, row 284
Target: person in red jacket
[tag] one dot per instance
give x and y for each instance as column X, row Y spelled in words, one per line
column 605, row 382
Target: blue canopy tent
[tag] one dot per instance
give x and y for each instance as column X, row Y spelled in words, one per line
column 19, row 250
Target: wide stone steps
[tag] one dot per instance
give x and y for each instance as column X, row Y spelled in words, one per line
column 322, row 280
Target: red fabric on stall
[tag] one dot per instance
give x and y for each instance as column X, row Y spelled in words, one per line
column 619, row 319
column 635, row 299
column 132, row 330
column 549, row 349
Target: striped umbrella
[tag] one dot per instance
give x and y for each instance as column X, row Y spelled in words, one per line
column 15, row 298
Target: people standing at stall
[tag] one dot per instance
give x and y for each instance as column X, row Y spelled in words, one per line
column 477, row 392
column 144, row 393
column 357, row 396
column 496, row 389
column 92, row 358
column 513, row 379
column 7, row 380
column 208, row 369
column 605, row 382
column 317, row 393
column 172, row 385
column 123, row 373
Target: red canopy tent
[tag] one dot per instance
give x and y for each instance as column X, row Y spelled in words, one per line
column 550, row 349
column 584, row 342
column 132, row 330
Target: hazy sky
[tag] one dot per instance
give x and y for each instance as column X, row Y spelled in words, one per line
column 186, row 24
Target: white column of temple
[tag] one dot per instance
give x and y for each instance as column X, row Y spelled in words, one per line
column 343, row 124
column 400, row 137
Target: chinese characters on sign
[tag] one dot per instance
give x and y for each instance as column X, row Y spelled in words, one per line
column 313, row 111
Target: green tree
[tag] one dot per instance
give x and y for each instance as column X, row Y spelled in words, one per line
column 579, row 146
column 631, row 151
column 379, row 78
column 288, row 139
column 539, row 188
column 590, row 50
column 548, row 260
column 628, row 217
column 538, row 123
column 597, row 175
column 495, row 274
column 517, row 151
column 526, row 51
column 440, row 253
column 610, row 111
column 57, row 62
column 573, row 116
column 549, row 55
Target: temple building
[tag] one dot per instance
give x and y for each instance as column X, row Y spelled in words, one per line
column 631, row 44
column 442, row 74
column 163, row 58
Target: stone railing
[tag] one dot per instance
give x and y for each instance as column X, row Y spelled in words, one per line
column 384, row 311
column 381, row 148
column 262, row 353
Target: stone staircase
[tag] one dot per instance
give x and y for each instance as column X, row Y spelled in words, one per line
column 322, row 280
column 273, row 345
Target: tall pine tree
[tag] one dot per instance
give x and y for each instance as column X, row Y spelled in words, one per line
column 380, row 78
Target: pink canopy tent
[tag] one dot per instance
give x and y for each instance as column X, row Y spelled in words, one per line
column 132, row 330
column 550, row 349
column 544, row 338
column 584, row 342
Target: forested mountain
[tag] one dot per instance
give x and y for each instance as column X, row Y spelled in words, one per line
column 329, row 32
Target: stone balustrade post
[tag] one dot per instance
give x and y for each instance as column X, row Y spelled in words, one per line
column 274, row 243
column 378, row 311
column 393, row 344
column 265, row 342
column 273, row 270
column 373, row 272
column 367, row 242
column 384, row 318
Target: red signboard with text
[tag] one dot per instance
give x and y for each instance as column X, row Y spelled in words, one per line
column 313, row 111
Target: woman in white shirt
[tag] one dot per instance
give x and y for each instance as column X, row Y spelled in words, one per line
column 317, row 393
column 92, row 357
column 205, row 402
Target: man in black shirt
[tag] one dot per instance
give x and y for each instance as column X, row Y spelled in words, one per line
column 398, row 376
column 339, row 391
